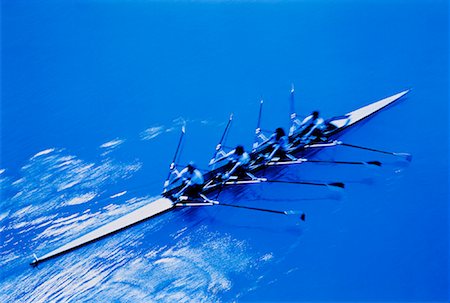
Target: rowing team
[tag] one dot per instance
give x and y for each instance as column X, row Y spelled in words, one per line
column 239, row 160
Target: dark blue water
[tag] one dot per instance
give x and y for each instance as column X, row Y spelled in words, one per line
column 93, row 96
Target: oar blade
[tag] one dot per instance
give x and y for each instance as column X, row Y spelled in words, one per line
column 296, row 212
column 293, row 212
column 337, row 184
column 303, row 217
column 376, row 163
column 408, row 157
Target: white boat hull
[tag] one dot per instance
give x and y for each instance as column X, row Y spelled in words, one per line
column 145, row 212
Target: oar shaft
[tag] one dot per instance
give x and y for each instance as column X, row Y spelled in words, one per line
column 255, row 208
column 173, row 164
column 280, row 212
column 407, row 156
column 292, row 103
column 219, row 146
column 183, row 130
column 367, row 148
column 181, row 204
column 226, row 130
column 258, row 125
column 346, row 162
column 336, row 184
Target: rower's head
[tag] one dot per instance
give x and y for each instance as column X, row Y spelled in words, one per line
column 191, row 167
column 239, row 150
column 280, row 133
column 315, row 114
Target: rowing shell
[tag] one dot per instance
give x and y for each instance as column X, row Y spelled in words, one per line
column 163, row 205
column 365, row 112
column 145, row 212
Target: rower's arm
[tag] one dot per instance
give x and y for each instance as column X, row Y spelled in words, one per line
column 297, row 126
column 234, row 168
column 264, row 141
column 310, row 131
column 224, row 157
column 273, row 152
column 178, row 174
column 317, row 124
column 261, row 146
column 181, row 191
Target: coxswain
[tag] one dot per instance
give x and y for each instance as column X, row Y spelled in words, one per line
column 238, row 163
column 192, row 182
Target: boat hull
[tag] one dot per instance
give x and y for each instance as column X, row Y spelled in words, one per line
column 141, row 214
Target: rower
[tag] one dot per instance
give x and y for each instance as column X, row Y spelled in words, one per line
column 311, row 127
column 238, row 161
column 280, row 144
column 192, row 181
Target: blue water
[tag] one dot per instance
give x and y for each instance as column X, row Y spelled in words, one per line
column 93, row 96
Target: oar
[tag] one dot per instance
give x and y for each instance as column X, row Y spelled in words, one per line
column 376, row 163
column 219, row 146
column 175, row 156
column 258, row 128
column 189, row 204
column 334, row 184
column 303, row 160
column 281, row 212
column 293, row 114
column 209, row 202
column 408, row 157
